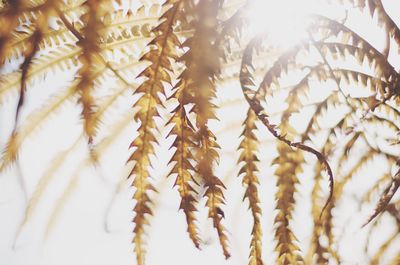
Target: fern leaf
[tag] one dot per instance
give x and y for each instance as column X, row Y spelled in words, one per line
column 385, row 199
column 43, row 183
column 250, row 182
column 316, row 246
column 183, row 130
column 63, row 58
column 289, row 162
column 9, row 17
column 88, row 41
column 202, row 62
column 163, row 47
column 254, row 99
column 32, row 122
column 382, row 249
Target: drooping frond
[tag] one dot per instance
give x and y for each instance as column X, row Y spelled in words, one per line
column 382, row 249
column 317, row 248
column 88, row 41
column 163, row 48
column 202, row 68
column 17, row 138
column 384, row 20
column 386, row 197
column 289, row 166
column 254, row 98
column 248, row 147
column 183, row 130
column 338, row 95
column 9, row 16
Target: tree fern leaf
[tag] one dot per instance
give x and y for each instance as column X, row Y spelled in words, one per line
column 43, row 184
column 32, row 123
column 385, row 199
column 200, row 74
column 163, row 47
column 250, row 182
column 63, row 58
column 254, row 101
column 382, row 249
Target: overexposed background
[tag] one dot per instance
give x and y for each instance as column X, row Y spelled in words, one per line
column 57, row 207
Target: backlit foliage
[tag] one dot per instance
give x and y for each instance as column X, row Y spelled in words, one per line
column 175, row 56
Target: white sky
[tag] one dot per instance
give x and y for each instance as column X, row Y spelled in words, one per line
column 92, row 223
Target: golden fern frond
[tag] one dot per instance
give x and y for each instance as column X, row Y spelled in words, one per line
column 384, row 200
column 289, row 166
column 348, row 146
column 9, row 17
column 117, row 128
column 384, row 20
column 183, row 130
column 63, row 58
column 184, row 143
column 43, row 183
column 88, row 41
column 382, row 249
column 116, row 26
column 28, row 56
column 52, row 37
column 162, row 49
column 327, row 216
column 316, row 247
column 60, row 202
column 33, row 121
column 321, row 108
column 39, row 116
column 119, row 22
column 382, row 67
column 395, row 260
column 358, row 47
column 376, row 187
column 367, row 157
column 254, row 98
column 202, row 67
column 248, row 147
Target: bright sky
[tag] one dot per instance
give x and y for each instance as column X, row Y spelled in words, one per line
column 84, row 215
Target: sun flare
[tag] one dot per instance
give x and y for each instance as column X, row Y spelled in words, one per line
column 278, row 18
column 285, row 22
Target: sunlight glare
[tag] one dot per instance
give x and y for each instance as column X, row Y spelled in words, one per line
column 284, row 21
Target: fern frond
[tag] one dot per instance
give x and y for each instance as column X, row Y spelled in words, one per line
column 317, row 248
column 289, row 166
column 118, row 23
column 64, row 58
column 365, row 51
column 202, row 67
column 9, row 17
column 385, row 198
column 31, row 124
column 382, row 249
column 376, row 187
column 183, row 130
column 184, row 143
column 395, row 260
column 162, row 49
column 88, row 42
column 254, row 99
column 43, row 183
column 100, row 148
column 60, row 202
column 384, row 20
column 248, row 147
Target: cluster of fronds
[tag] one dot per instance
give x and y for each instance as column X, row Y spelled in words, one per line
column 179, row 53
